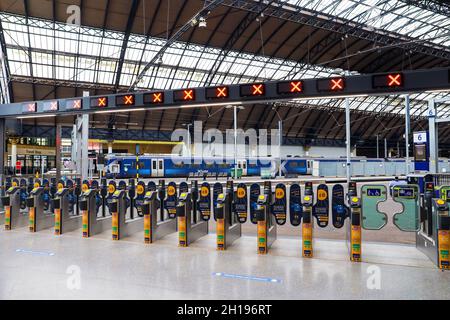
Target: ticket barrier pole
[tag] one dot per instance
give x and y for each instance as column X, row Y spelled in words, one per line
column 38, row 219
column 307, row 227
column 266, row 225
column 122, row 228
column 64, row 221
column 154, row 229
column 355, row 229
column 13, row 216
column 188, row 230
column 228, row 228
column 91, row 224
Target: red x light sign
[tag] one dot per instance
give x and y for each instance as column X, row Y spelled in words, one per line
column 184, row 95
column 330, row 85
column 50, row 106
column 154, row 98
column 290, row 87
column 391, row 80
column 125, row 100
column 74, row 104
column 100, row 102
column 216, row 93
column 29, row 107
column 251, row 90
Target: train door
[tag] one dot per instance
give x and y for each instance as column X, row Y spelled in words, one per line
column 242, row 164
column 157, row 168
column 309, row 166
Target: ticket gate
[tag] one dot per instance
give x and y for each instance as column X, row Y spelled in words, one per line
column 228, row 226
column 307, row 221
column 265, row 220
column 14, row 218
column 121, row 227
column 38, row 218
column 408, row 197
column 154, row 229
column 433, row 238
column 64, row 221
column 91, row 223
column 190, row 226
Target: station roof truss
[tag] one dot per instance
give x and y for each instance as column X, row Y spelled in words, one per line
column 43, row 57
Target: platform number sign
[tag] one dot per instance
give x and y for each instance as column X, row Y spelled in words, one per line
column 420, row 137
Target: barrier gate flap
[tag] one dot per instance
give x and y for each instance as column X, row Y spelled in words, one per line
column 279, row 205
column 255, row 191
column 295, row 204
column 171, row 200
column 321, row 208
column 217, row 189
column 408, row 196
column 371, row 196
column 241, row 202
column 204, row 202
column 339, row 209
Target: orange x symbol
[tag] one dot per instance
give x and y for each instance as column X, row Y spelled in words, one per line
column 337, row 84
column 394, row 80
column 54, row 105
column 296, row 86
column 188, row 95
column 102, row 102
column 129, row 100
column 222, row 92
column 157, row 97
column 32, row 107
column 77, row 104
column 257, row 89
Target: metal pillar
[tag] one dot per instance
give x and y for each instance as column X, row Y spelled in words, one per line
column 378, row 147
column 385, row 148
column 58, row 150
column 348, row 137
column 81, row 137
column 235, row 142
column 2, row 149
column 280, row 142
column 433, row 135
column 407, row 132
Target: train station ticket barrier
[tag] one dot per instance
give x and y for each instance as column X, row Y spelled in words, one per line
column 408, row 197
column 91, row 223
column 266, row 226
column 228, row 228
column 14, row 218
column 121, row 227
column 38, row 218
column 64, row 221
column 190, row 225
column 433, row 238
column 154, row 229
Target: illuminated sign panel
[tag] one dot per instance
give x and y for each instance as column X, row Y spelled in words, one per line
column 154, row 98
column 74, row 104
column 29, row 107
column 100, row 102
column 216, row 93
column 391, row 80
column 50, row 106
column 184, row 95
column 252, row 90
column 330, row 85
column 125, row 100
column 290, row 87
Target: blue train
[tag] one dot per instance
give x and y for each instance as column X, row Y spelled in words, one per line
column 151, row 166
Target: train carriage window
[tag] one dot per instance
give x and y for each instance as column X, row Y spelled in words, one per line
column 244, row 165
column 160, row 165
column 309, row 164
column 154, row 165
column 293, row 164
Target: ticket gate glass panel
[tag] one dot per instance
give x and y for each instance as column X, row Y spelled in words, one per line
column 371, row 197
column 408, row 197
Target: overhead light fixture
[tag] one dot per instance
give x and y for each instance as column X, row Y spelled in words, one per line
column 194, row 22
column 202, row 23
column 34, row 116
column 159, row 60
